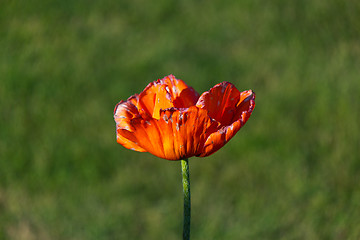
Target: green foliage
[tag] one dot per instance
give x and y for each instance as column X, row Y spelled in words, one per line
column 291, row 173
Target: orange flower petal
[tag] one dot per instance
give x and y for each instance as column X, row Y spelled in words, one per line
column 147, row 99
column 128, row 140
column 145, row 135
column 162, row 101
column 124, row 113
column 220, row 102
column 183, row 96
column 242, row 113
column 176, row 135
column 245, row 106
column 165, row 93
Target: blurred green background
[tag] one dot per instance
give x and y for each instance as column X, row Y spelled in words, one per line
column 293, row 171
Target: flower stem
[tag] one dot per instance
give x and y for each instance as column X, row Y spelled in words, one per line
column 187, row 202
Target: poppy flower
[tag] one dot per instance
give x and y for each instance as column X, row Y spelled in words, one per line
column 170, row 120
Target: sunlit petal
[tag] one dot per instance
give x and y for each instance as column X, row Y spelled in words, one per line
column 169, row 120
column 183, row 96
column 220, row 102
column 219, row 138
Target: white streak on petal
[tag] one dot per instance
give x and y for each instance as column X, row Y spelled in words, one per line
column 166, row 118
column 180, row 117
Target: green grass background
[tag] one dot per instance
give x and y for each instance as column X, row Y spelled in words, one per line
column 293, row 171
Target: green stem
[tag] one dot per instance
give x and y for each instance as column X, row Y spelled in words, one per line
column 187, row 202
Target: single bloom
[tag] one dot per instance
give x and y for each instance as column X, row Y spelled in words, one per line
column 170, row 120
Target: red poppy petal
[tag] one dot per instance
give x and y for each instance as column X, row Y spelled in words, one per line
column 123, row 114
column 183, row 96
column 128, row 140
column 192, row 127
column 148, row 137
column 245, row 106
column 150, row 96
column 220, row 102
column 162, row 101
column 219, row 138
column 177, row 134
column 162, row 94
column 125, row 111
column 185, row 131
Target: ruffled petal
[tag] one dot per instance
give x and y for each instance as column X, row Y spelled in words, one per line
column 165, row 93
column 182, row 95
column 220, row 102
column 219, row 138
column 152, row 99
column 124, row 114
column 245, row 106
